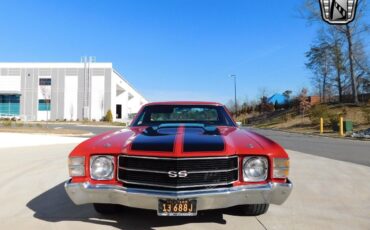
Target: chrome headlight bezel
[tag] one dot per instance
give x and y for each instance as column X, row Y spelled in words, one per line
column 247, row 161
column 76, row 166
column 109, row 163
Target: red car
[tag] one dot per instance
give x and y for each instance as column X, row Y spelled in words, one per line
column 179, row 158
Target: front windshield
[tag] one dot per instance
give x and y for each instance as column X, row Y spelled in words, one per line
column 203, row 114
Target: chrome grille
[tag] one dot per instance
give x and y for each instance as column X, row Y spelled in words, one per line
column 190, row 173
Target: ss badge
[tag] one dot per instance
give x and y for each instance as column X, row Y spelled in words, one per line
column 174, row 174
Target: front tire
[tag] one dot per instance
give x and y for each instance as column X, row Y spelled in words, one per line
column 254, row 209
column 106, row 209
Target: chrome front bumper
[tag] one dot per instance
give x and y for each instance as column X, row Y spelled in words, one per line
column 270, row 193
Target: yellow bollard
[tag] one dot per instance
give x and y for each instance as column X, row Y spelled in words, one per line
column 341, row 128
column 321, row 125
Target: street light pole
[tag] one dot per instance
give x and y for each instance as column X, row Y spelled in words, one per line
column 236, row 105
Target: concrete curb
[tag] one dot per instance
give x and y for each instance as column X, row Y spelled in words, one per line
column 76, row 124
column 56, row 134
column 37, row 139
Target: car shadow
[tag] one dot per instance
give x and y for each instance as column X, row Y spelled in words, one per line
column 54, row 206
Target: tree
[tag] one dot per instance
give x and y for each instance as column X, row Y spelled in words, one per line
column 288, row 99
column 362, row 70
column 304, row 103
column 318, row 62
column 230, row 105
column 287, row 94
column 264, row 106
column 263, row 92
column 351, row 32
column 338, row 61
column 348, row 31
column 328, row 54
column 243, row 108
column 109, row 116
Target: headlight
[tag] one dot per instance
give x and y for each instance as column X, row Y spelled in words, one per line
column 101, row 167
column 281, row 168
column 76, row 166
column 255, row 169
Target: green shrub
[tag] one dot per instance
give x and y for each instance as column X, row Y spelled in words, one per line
column 366, row 113
column 108, row 117
column 7, row 123
column 286, row 117
column 318, row 111
column 333, row 119
column 19, row 124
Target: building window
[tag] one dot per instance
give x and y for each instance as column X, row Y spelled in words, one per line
column 9, row 105
column 45, row 81
column 44, row 104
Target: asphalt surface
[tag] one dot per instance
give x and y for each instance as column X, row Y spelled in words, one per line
column 32, row 196
column 334, row 148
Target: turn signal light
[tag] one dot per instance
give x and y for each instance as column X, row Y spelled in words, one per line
column 76, row 166
column 281, row 168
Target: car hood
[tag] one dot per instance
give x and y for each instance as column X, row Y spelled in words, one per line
column 182, row 141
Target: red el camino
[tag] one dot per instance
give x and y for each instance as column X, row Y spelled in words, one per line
column 179, row 158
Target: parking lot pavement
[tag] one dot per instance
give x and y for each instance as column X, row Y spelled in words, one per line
column 354, row 151
column 327, row 194
column 9, row 140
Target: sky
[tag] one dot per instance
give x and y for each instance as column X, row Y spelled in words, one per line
column 168, row 49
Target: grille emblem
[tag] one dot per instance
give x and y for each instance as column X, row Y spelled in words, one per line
column 174, row 174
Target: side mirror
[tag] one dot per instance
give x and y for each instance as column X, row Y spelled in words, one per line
column 239, row 124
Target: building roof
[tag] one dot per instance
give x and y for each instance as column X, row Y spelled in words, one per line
column 128, row 83
column 277, row 98
column 54, row 64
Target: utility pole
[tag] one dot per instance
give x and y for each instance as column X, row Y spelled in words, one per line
column 236, row 104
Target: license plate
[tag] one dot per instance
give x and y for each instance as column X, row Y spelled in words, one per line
column 177, row 207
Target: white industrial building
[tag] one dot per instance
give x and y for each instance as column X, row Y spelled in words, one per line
column 66, row 91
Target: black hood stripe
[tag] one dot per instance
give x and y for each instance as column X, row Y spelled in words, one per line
column 155, row 141
column 196, row 139
column 201, row 140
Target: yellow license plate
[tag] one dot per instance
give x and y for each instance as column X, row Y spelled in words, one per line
column 185, row 207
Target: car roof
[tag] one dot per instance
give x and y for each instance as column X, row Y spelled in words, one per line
column 184, row 103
